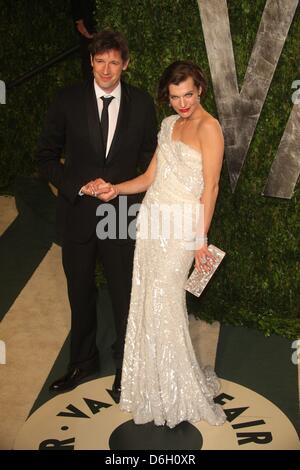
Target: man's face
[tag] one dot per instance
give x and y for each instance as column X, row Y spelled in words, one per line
column 107, row 69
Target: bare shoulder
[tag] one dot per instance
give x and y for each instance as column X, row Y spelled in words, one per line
column 209, row 127
column 210, row 135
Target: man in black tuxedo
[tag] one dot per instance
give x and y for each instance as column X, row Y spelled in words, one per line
column 108, row 131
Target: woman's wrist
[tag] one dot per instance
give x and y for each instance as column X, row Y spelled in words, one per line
column 201, row 240
column 116, row 189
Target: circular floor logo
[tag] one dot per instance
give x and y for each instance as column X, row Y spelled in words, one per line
column 88, row 418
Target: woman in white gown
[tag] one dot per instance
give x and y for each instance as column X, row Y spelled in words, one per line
column 161, row 378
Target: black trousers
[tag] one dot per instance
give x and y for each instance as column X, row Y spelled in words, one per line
column 79, row 261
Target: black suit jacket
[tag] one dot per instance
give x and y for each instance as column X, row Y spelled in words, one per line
column 73, row 127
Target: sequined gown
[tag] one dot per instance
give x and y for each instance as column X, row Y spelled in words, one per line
column 161, row 378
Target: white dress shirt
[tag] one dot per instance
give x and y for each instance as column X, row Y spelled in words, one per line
column 113, row 110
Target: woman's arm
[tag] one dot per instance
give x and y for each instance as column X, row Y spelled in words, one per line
column 140, row 184
column 212, row 153
column 212, row 146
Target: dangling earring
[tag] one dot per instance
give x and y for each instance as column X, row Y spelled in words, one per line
column 199, row 98
column 170, row 106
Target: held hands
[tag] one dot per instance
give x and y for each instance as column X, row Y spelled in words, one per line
column 107, row 192
column 100, row 189
column 203, row 259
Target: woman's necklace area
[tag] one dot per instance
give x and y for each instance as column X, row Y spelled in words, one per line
column 185, row 121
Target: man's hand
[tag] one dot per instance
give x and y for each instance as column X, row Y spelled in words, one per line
column 82, row 29
column 92, row 187
column 100, row 189
column 109, row 191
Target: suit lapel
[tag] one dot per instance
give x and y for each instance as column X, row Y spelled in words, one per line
column 122, row 123
column 94, row 123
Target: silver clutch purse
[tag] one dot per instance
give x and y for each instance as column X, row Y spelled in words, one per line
column 197, row 281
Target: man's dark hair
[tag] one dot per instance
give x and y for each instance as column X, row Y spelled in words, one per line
column 178, row 72
column 107, row 40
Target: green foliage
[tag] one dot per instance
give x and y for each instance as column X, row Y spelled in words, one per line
column 31, row 32
column 257, row 285
column 158, row 33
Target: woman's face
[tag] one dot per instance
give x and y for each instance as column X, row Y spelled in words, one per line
column 184, row 98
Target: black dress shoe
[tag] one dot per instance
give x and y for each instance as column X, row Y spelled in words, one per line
column 116, row 388
column 70, row 380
